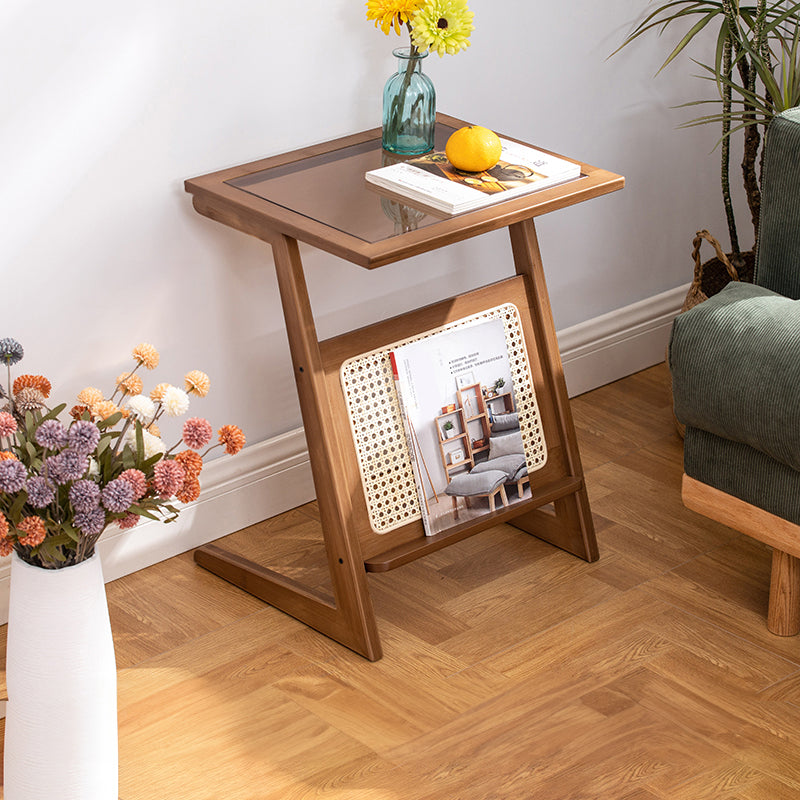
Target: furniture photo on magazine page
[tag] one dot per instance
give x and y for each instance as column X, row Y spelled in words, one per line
column 379, row 476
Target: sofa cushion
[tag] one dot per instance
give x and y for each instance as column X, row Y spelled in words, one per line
column 509, row 444
column 505, row 422
column 735, row 362
column 744, row 472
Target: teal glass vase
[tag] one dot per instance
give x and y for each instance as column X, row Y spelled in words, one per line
column 409, row 106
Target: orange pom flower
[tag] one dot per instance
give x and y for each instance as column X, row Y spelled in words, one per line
column 191, row 462
column 129, row 383
column 34, row 530
column 77, row 412
column 105, row 409
column 197, row 383
column 6, row 547
column 154, row 429
column 189, row 491
column 146, row 355
column 233, row 439
column 7, row 455
column 157, row 395
column 36, row 381
column 90, row 396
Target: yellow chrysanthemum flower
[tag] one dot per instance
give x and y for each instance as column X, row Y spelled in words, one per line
column 443, row 26
column 390, row 14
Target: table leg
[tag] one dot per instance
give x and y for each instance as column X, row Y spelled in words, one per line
column 570, row 527
column 349, row 618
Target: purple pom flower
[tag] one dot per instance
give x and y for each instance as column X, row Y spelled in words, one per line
column 91, row 522
column 11, row 351
column 51, row 435
column 68, row 465
column 12, row 476
column 40, row 492
column 118, row 495
column 84, row 495
column 84, row 436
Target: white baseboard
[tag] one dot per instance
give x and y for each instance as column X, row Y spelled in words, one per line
column 271, row 477
column 617, row 344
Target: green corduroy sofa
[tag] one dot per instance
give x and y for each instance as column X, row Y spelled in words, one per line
column 735, row 364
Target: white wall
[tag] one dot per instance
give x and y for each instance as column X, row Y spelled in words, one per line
column 107, row 108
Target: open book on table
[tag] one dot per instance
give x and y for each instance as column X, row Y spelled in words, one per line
column 432, row 181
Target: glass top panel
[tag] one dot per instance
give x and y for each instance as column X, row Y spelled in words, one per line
column 331, row 189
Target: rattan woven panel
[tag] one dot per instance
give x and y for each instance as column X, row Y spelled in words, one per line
column 380, row 437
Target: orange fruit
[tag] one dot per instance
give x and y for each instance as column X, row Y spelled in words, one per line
column 473, row 148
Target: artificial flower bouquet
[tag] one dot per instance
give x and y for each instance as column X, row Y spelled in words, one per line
column 443, row 26
column 63, row 484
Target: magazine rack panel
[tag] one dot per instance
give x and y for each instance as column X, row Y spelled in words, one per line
column 338, row 352
column 379, row 434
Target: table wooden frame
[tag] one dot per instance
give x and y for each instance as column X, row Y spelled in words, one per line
column 558, row 510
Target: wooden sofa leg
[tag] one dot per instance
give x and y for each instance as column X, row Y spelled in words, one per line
column 784, row 595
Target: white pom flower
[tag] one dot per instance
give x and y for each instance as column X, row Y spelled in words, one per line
column 142, row 408
column 175, row 401
column 93, row 470
column 152, row 445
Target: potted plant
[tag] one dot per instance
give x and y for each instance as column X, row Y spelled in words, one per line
column 756, row 73
column 449, row 429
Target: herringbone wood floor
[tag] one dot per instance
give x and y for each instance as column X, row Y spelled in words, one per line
column 511, row 669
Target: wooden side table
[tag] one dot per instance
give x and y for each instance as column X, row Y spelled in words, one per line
column 319, row 195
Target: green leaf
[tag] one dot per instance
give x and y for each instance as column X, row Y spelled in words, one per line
column 151, row 462
column 72, row 532
column 137, row 509
column 139, row 441
column 53, row 413
column 109, row 421
column 687, row 38
column 15, row 512
column 49, row 550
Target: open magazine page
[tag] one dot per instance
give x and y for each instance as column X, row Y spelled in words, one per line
column 460, row 411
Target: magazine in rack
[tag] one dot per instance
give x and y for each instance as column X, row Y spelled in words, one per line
column 460, row 415
column 431, row 180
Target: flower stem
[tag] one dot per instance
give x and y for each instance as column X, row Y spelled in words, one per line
column 399, row 100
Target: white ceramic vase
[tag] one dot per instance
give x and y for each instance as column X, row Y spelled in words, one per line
column 61, row 715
